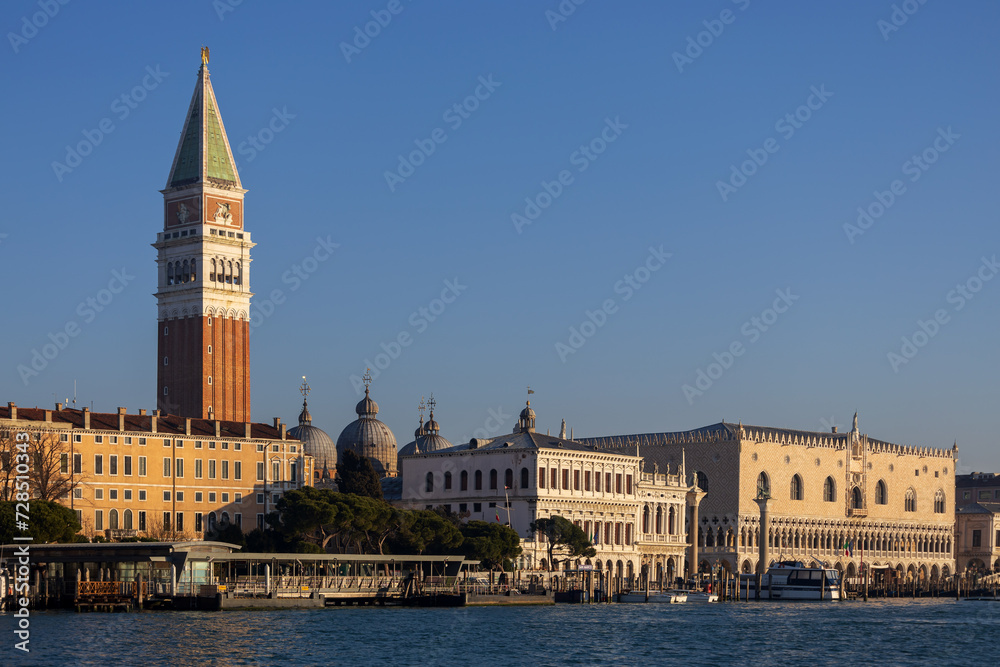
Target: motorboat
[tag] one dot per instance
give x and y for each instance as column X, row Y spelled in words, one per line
column 792, row 580
column 660, row 597
column 697, row 596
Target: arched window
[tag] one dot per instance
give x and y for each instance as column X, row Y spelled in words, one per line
column 447, row 481
column 225, row 519
column 170, row 273
column 508, row 479
column 194, row 270
column 229, row 272
column 127, row 520
column 763, row 486
column 113, row 519
column 881, row 493
column 910, row 501
column 939, row 502
column 645, row 519
column 659, row 520
column 479, row 480
column 493, row 479
column 212, row 525
column 796, row 487
column 856, row 500
column 186, row 273
column 525, row 478
column 463, row 480
column 702, row 481
column 211, row 276
column 239, row 274
column 671, row 521
column 430, row 482
column 829, row 490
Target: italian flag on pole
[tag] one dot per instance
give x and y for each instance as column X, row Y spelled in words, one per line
column 498, row 516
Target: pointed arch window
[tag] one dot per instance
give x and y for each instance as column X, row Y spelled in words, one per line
column 194, row 270
column 479, row 480
column 447, row 481
column 508, row 479
column 829, row 490
column 493, row 479
column 430, row 483
column 525, row 478
column 910, row 500
column 463, row 481
column 229, row 272
column 185, row 273
column 881, row 493
column 857, row 502
column 238, row 278
column 211, row 276
column 763, row 485
column 127, row 520
column 170, row 273
column 796, row 490
column 113, row 519
column 939, row 503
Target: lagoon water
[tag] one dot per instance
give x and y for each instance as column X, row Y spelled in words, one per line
column 895, row 632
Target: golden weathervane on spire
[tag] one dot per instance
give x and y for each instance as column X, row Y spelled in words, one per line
column 204, row 55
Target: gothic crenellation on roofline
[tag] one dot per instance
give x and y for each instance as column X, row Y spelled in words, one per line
column 762, row 434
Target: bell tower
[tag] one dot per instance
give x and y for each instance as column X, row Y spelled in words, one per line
column 203, row 261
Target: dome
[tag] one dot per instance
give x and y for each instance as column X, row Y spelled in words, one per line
column 315, row 441
column 426, row 439
column 371, row 438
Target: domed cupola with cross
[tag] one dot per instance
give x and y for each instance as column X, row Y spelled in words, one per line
column 369, row 437
column 428, row 437
column 315, row 441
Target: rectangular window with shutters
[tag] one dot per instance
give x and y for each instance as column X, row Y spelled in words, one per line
column 260, row 471
column 128, row 466
column 166, row 521
column 628, row 484
column 142, row 466
column 77, row 463
column 142, row 519
column 607, row 482
column 597, row 482
column 113, row 465
column 586, row 481
column 541, row 478
column 977, row 538
column 565, row 476
column 238, row 470
column 166, row 467
column 197, row 522
column 607, row 533
column 64, row 464
column 555, row 479
column 576, row 480
column 178, row 467
column 198, row 468
column 225, row 470
column 98, row 464
column 211, row 468
column 98, row 520
column 618, row 483
column 180, row 521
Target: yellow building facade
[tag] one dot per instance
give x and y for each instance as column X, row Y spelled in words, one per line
column 154, row 475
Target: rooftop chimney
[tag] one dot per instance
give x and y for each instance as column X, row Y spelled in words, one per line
column 142, row 412
column 246, row 430
column 277, row 422
column 284, row 430
column 833, row 430
column 59, row 407
column 48, row 416
column 152, row 421
column 187, row 426
column 13, row 410
column 121, row 418
column 86, row 419
column 218, row 429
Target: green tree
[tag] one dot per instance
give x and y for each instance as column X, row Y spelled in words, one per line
column 48, row 521
column 426, row 531
column 334, row 521
column 230, row 533
column 355, row 474
column 491, row 543
column 562, row 533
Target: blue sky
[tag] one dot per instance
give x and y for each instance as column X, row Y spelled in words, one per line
column 869, row 97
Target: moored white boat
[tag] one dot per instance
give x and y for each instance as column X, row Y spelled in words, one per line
column 664, row 597
column 792, row 580
column 697, row 596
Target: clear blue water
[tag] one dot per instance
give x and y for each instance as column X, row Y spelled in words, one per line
column 921, row 632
